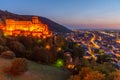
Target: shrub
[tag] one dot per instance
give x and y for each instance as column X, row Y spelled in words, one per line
column 8, row 55
column 1, row 49
column 41, row 55
column 2, row 41
column 19, row 66
column 88, row 74
column 17, row 47
column 114, row 75
column 82, row 73
column 104, row 68
column 94, row 75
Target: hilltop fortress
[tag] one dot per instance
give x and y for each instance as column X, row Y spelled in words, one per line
column 34, row 27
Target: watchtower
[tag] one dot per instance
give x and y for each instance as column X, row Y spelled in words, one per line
column 35, row 20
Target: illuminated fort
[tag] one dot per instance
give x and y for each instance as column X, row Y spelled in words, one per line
column 33, row 27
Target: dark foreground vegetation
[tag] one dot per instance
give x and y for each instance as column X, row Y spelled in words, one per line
column 58, row 52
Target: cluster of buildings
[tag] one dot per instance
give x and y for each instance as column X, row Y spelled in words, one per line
column 34, row 27
column 98, row 42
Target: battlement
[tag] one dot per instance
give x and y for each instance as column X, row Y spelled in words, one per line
column 26, row 28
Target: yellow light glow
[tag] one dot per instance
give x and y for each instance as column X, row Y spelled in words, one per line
column 5, row 34
column 118, row 41
column 70, row 66
column 47, row 46
column 59, row 49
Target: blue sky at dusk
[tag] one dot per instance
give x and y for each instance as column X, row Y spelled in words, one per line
column 83, row 13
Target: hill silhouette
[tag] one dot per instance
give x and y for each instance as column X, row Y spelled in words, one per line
column 53, row 26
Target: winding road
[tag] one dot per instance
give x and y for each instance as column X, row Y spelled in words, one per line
column 92, row 41
column 91, row 52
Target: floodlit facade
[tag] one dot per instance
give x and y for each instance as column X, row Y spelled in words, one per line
column 34, row 27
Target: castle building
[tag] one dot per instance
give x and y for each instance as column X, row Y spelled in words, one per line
column 33, row 27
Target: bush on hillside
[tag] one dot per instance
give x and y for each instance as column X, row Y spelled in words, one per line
column 8, row 55
column 19, row 66
column 17, row 47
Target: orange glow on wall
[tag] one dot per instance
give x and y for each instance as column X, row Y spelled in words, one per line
column 47, row 46
column 27, row 28
column 70, row 66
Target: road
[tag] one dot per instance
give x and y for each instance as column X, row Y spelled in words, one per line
column 94, row 44
column 91, row 52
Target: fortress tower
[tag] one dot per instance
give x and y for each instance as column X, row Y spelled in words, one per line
column 35, row 20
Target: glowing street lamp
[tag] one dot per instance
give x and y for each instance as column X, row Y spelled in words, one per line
column 59, row 63
column 5, row 34
column 70, row 66
column 59, row 49
column 47, row 46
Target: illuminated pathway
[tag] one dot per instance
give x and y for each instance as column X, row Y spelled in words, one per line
column 91, row 53
column 94, row 44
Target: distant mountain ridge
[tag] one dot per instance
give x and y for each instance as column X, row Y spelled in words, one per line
column 53, row 26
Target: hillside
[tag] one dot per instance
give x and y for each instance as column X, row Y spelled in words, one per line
column 35, row 72
column 53, row 26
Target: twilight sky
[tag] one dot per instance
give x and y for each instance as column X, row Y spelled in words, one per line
column 74, row 13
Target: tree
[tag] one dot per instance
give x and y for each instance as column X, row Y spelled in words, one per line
column 2, row 41
column 60, row 55
column 41, row 55
column 82, row 73
column 29, row 42
column 114, row 75
column 8, row 55
column 61, row 42
column 87, row 73
column 17, row 47
column 104, row 68
column 104, row 58
column 53, row 54
column 19, row 66
column 94, row 75
column 99, row 51
column 78, row 52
